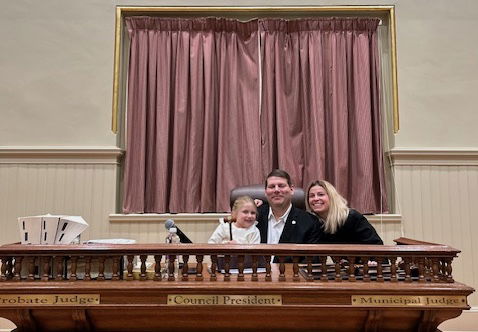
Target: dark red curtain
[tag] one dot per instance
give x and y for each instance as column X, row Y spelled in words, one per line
column 215, row 103
column 321, row 105
column 193, row 120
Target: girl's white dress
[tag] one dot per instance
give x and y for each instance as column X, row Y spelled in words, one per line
column 249, row 235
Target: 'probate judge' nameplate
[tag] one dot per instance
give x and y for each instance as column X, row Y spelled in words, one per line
column 408, row 301
column 187, row 299
column 49, row 299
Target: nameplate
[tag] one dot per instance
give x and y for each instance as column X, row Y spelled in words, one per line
column 408, row 301
column 49, row 299
column 253, row 300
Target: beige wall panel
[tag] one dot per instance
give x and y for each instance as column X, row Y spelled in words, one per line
column 388, row 231
column 154, row 231
column 438, row 204
column 74, row 189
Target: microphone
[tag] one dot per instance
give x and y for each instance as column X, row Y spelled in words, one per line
column 182, row 237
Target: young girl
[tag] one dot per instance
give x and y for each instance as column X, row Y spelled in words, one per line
column 244, row 230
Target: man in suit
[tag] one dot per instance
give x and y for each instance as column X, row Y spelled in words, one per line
column 279, row 221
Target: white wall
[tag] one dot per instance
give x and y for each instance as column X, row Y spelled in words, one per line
column 56, row 73
column 57, row 59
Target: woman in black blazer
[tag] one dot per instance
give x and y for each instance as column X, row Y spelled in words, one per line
column 339, row 223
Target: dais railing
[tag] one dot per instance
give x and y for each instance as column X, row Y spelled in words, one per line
column 410, row 261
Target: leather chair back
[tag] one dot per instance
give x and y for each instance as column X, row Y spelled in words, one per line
column 257, row 191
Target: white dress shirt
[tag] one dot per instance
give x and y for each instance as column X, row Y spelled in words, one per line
column 276, row 226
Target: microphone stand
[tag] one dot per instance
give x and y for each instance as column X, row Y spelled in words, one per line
column 230, row 220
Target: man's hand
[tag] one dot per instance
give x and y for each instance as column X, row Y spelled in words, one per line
column 258, row 202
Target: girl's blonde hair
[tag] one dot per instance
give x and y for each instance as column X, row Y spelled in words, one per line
column 240, row 201
column 338, row 209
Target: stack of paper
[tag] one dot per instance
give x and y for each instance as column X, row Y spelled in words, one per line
column 50, row 229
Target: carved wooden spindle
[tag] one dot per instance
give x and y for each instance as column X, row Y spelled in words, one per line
column 449, row 270
column 351, row 271
column 268, row 276
column 255, row 263
column 171, row 260
column 17, row 274
column 59, row 268
column 73, row 267
column 393, row 269
column 199, row 275
column 227, row 260
column 366, row 275
column 323, row 268
column 442, row 269
column 281, row 268
column 428, row 321
column 31, row 268
column 407, row 262
column 240, row 267
column 157, row 267
column 25, row 320
column 142, row 274
column 101, row 268
column 421, row 269
column 116, row 264
column 9, row 268
column 3, row 274
column 45, row 268
column 338, row 276
column 310, row 276
column 380, row 269
column 429, row 269
column 295, row 268
column 212, row 276
column 435, row 268
column 87, row 268
column 81, row 320
column 373, row 320
column 185, row 275
column 129, row 267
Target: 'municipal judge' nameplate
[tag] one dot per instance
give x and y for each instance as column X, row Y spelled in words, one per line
column 408, row 301
column 187, row 299
column 49, row 299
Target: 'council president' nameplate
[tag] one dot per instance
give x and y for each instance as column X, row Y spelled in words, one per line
column 408, row 301
column 49, row 299
column 186, row 299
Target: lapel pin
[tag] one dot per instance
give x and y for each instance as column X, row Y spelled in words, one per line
column 293, row 222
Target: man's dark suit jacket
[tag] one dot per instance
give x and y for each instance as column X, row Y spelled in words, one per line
column 304, row 230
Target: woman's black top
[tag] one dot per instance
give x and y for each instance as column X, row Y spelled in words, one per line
column 355, row 230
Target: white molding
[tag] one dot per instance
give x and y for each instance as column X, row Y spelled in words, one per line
column 161, row 217
column 433, row 156
column 60, row 154
column 153, row 217
column 384, row 218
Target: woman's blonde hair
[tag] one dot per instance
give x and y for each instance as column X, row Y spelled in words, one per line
column 240, row 201
column 338, row 209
